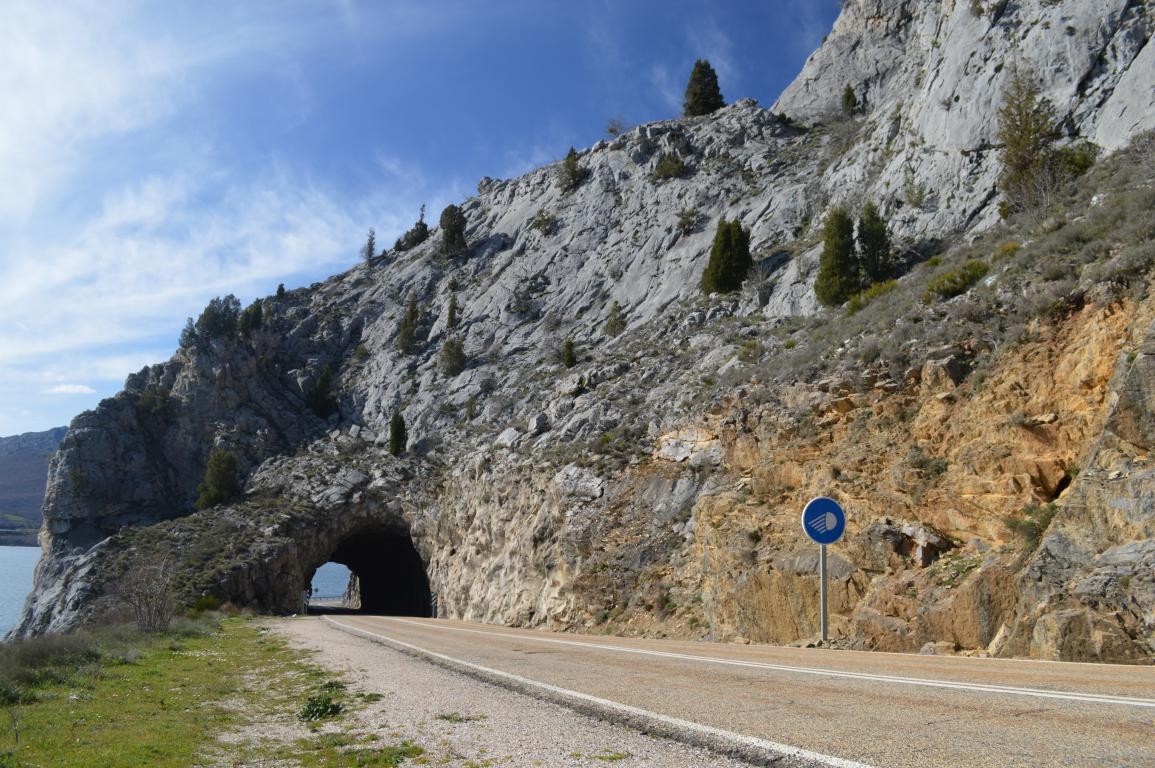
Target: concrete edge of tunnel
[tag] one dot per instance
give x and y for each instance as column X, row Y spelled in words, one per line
column 749, row 749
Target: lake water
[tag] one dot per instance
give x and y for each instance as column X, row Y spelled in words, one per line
column 329, row 581
column 16, row 566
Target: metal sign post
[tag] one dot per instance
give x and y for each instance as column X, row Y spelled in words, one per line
column 824, row 522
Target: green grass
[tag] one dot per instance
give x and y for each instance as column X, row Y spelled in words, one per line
column 116, row 698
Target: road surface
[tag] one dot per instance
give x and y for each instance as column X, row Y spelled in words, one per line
column 825, row 707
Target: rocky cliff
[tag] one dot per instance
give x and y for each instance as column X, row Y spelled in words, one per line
column 991, row 448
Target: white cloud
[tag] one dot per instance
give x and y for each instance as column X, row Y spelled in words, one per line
column 666, row 87
column 70, row 389
column 708, row 41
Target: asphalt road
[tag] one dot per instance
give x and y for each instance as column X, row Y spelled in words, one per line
column 839, row 707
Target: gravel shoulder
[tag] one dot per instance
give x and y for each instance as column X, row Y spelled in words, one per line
column 461, row 721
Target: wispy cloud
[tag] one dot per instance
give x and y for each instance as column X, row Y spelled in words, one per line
column 708, row 40
column 666, row 87
column 70, row 389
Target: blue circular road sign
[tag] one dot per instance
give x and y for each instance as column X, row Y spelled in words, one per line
column 823, row 520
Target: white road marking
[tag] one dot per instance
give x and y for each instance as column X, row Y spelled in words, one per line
column 747, row 741
column 1095, row 698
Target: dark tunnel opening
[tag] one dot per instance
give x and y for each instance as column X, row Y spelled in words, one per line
column 391, row 574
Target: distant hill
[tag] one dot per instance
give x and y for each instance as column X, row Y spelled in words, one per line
column 23, row 475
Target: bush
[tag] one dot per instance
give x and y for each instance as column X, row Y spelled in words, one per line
column 451, row 318
column 1032, row 522
column 849, row 101
column 220, row 484
column 861, row 299
column 398, row 436
column 453, row 230
column 616, row 322
column 544, row 222
column 415, row 236
column 956, row 281
column 703, row 95
column 568, row 356
column 1026, row 131
column 217, row 321
column 251, row 319
column 669, row 166
column 572, row 172
column 147, row 590
column 452, row 357
column 688, row 220
column 321, row 399
column 320, row 706
column 729, row 259
column 407, row 331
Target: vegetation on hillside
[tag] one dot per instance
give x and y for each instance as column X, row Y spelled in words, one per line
column 703, row 95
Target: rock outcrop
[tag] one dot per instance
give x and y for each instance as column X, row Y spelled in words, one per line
column 992, row 448
column 23, row 464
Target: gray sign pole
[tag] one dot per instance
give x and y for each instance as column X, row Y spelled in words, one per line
column 822, row 587
column 823, row 520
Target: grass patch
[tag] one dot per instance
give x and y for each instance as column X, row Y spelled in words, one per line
column 955, row 282
column 457, row 717
column 116, row 698
column 1031, row 522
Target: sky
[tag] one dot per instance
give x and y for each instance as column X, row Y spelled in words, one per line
column 155, row 155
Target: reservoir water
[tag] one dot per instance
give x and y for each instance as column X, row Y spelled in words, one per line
column 16, row 566
column 329, row 581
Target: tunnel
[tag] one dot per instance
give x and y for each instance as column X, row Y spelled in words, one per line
column 392, row 576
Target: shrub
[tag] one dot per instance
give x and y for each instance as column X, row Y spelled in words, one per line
column 217, row 321
column 453, row 230
column 837, row 278
column 452, row 357
column 280, row 291
column 451, row 318
column 1032, row 522
column 415, row 236
column 398, row 436
column 544, row 222
column 321, row 399
column 703, row 95
column 320, row 706
column 407, row 331
column 849, row 101
column 155, row 402
column 251, row 319
column 568, row 356
column 220, row 485
column 861, row 299
column 572, row 172
column 147, row 590
column 669, row 166
column 688, row 220
column 729, row 259
column 955, row 282
column 616, row 322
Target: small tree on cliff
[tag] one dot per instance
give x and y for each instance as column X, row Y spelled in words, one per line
column 453, row 230
column 838, row 268
column 572, row 172
column 703, row 95
column 873, row 245
column 729, row 259
column 397, row 434
column 1026, row 131
column 407, row 332
column 220, row 485
column 369, row 250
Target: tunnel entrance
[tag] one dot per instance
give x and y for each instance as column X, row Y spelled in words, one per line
column 390, row 574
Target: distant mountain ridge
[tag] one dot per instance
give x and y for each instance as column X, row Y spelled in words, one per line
column 23, row 476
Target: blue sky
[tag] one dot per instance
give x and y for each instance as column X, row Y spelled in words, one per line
column 157, row 154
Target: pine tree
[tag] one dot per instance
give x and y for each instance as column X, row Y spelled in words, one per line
column 1026, row 131
column 220, row 484
column 616, row 322
column 568, row 356
column 702, row 93
column 874, row 254
column 369, row 250
column 415, row 236
column 407, row 332
column 453, row 230
column 729, row 259
column 838, row 268
column 398, row 436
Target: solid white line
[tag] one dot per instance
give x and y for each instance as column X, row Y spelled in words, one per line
column 1095, row 698
column 748, row 741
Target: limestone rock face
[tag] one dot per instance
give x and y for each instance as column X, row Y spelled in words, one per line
column 931, row 75
column 653, row 482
